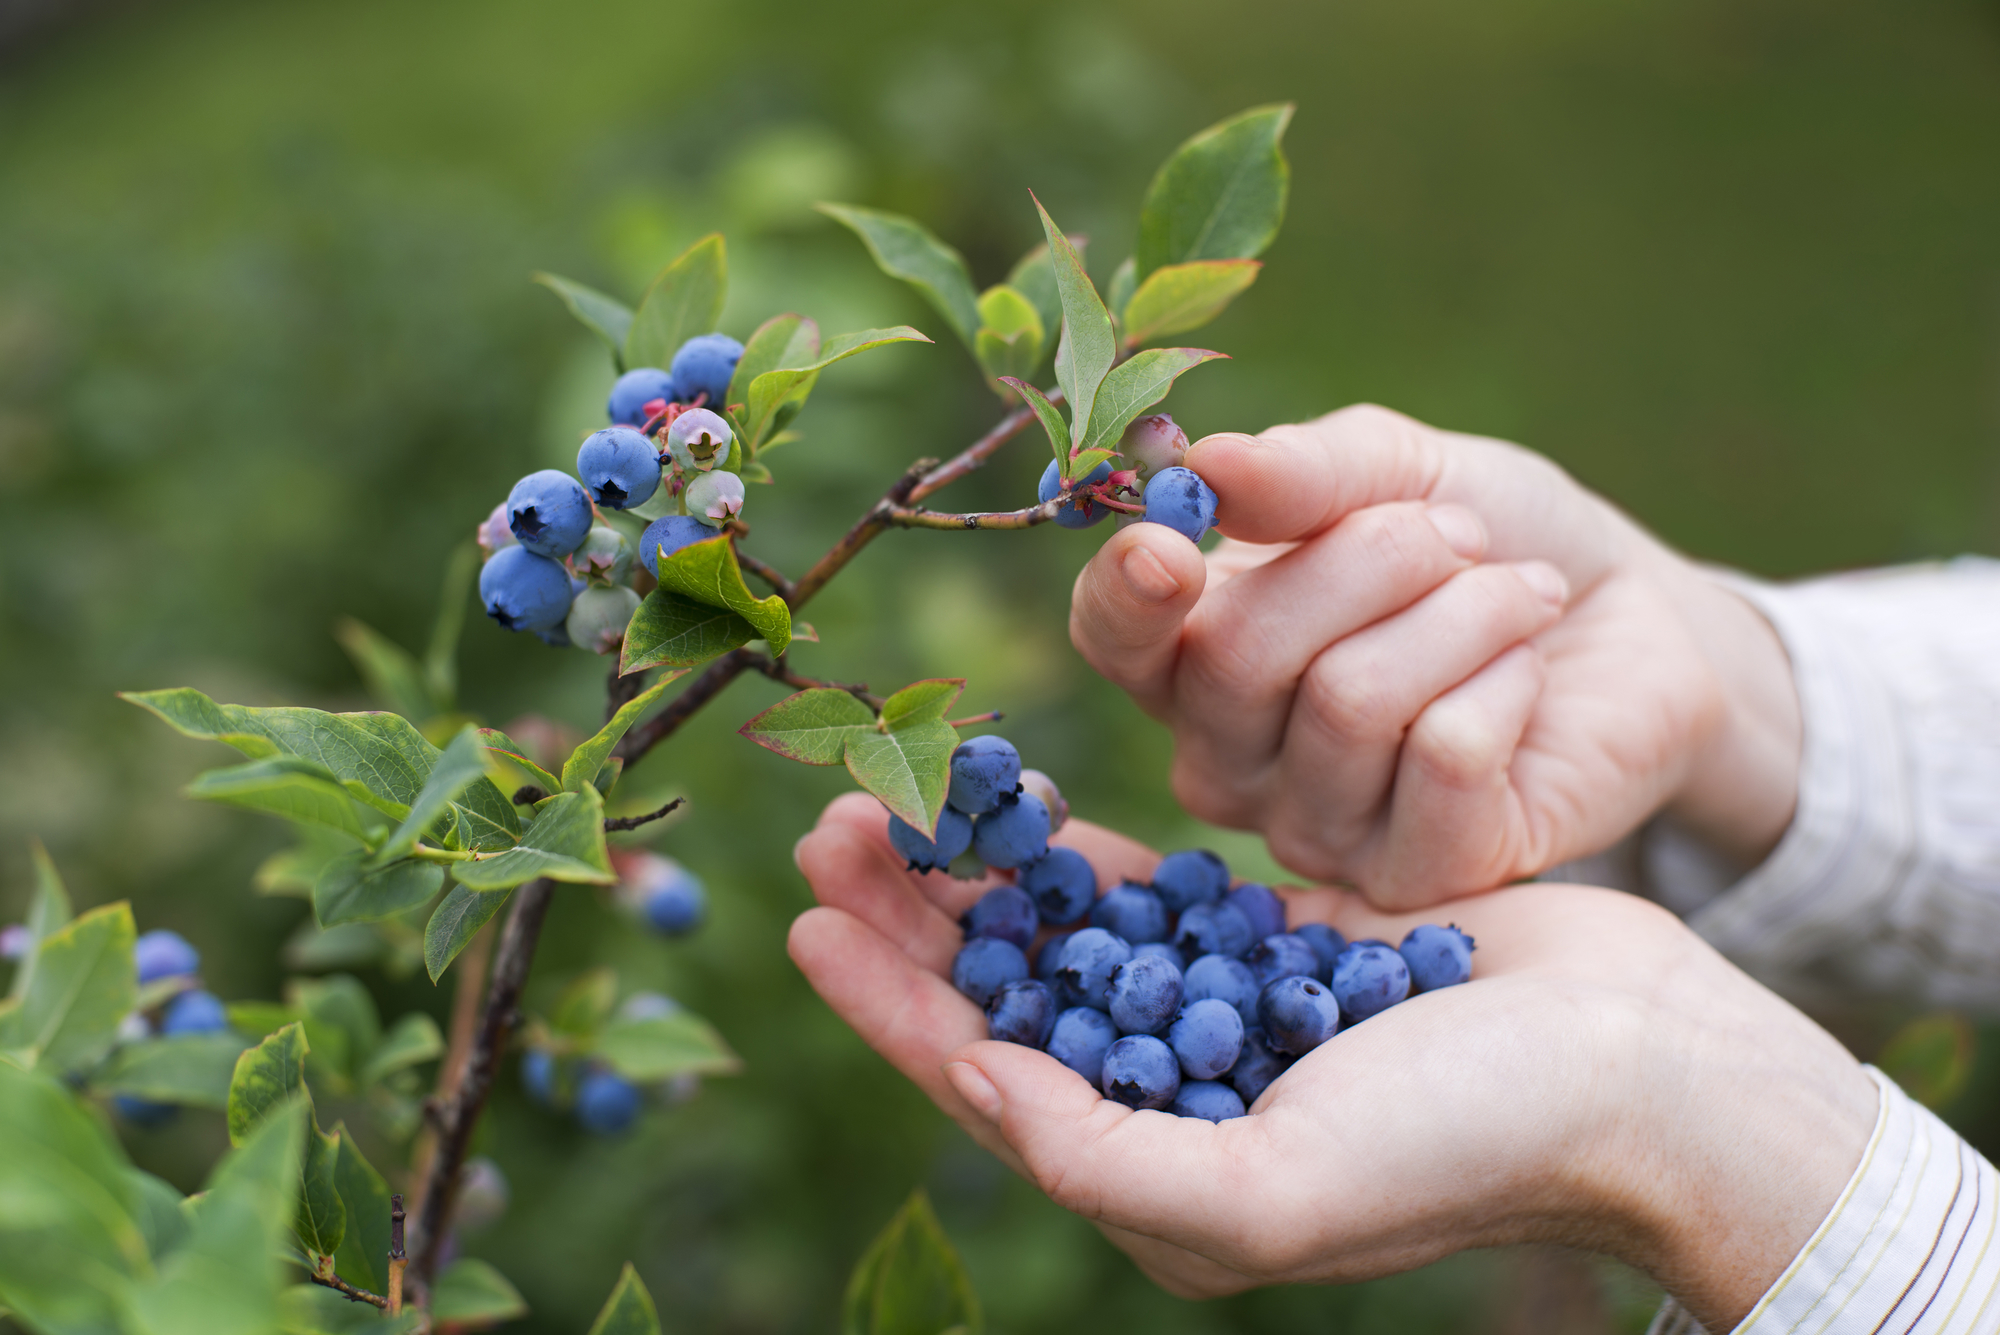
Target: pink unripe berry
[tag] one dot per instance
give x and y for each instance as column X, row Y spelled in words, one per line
column 1041, row 785
column 699, row 440
column 495, row 532
column 715, row 498
column 1152, row 443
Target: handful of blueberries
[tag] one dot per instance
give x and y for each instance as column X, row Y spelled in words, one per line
column 1181, row 993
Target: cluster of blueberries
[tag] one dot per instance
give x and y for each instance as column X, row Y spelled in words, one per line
column 163, row 956
column 551, row 567
column 1152, row 447
column 602, row 1101
column 1181, row 993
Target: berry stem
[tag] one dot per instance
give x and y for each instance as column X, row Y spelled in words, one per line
column 613, row 824
column 769, row 574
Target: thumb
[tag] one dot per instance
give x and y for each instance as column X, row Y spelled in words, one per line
column 1126, row 611
column 1292, row 482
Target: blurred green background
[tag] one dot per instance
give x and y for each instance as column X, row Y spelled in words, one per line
column 268, row 351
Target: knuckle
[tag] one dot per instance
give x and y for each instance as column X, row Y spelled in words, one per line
column 1227, row 651
column 1346, row 701
column 1457, row 746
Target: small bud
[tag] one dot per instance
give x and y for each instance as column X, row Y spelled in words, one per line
column 606, row 555
column 494, row 532
column 715, row 498
column 699, row 440
column 482, row 1195
column 1035, row 782
column 1153, row 443
column 599, row 616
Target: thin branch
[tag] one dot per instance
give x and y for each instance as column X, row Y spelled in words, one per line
column 612, row 824
column 991, row 716
column 621, row 691
column 465, row 998
column 339, row 1285
column 907, row 516
column 684, row 706
column 860, row 535
column 976, row 454
column 777, row 669
column 770, row 574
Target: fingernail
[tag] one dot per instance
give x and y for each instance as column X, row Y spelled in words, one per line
column 1460, row 529
column 1147, row 577
column 973, row 1086
column 1545, row 580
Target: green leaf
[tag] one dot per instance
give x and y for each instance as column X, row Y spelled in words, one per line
column 566, row 843
column 342, row 1026
column 685, row 300
column 1046, row 414
column 1132, row 387
column 586, row 1003
column 812, row 726
column 458, row 767
column 1011, row 336
column 46, row 915
column 392, row 674
column 586, row 760
column 411, row 1041
column 267, row 1078
column 1180, row 297
column 629, row 1310
column 921, row 702
column 309, row 1309
column 289, row 786
column 1931, row 1057
column 606, row 317
column 706, row 572
column 1084, row 460
column 190, row 1069
column 1088, row 347
column 349, row 890
column 293, row 871
column 1118, row 296
column 909, row 769
column 471, row 1291
column 458, row 917
column 1221, row 196
column 782, row 340
column 775, row 391
column 1034, row 277
column 321, row 1222
column 664, row 1047
column 441, row 658
column 910, row 1281
column 499, row 741
column 669, row 630
column 904, row 248
column 363, row 1255
column 84, row 983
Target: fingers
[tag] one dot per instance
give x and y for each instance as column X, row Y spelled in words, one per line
column 851, row 872
column 1294, row 481
column 1127, row 607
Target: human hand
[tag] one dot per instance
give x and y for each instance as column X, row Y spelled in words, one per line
column 1428, row 663
column 1606, row 1080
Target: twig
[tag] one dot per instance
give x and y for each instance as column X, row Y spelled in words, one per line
column 976, row 454
column 466, row 992
column 621, row 691
column 397, row 1260
column 612, row 824
column 992, row 716
column 684, row 706
column 769, row 574
column 861, row 534
column 339, row 1285
column 906, row 516
column 777, row 670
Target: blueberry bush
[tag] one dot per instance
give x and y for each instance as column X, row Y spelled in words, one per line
column 415, row 826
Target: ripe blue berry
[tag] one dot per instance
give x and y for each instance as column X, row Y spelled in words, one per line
column 1256, row 1066
column 549, row 513
column 1140, row 1072
column 705, row 365
column 1224, row 979
column 1261, row 905
column 1326, row 943
column 1132, row 911
column 1071, row 514
column 620, row 468
column 631, row 392
column 1049, row 958
column 538, row 1076
column 1297, row 1014
column 954, row 836
column 1023, row 1012
column 1214, row 929
column 524, row 591
column 1083, row 976
column 164, row 954
column 1210, row 1099
column 144, row 1113
column 672, row 532
column 1190, row 877
column 1180, row 500
column 1206, row 1038
column 598, row 618
column 1062, row 884
column 1369, row 978
column 699, row 440
column 667, row 895
column 1145, row 994
column 1004, row 913
column 1164, row 950
column 986, row 965
column 606, row 1103
column 982, row 770
column 1281, row 956
column 194, row 1012
column 1437, row 956
column 1014, row 834
column 1080, row 1039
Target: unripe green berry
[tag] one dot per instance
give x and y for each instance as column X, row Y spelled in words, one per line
column 606, row 555
column 699, row 440
column 598, row 617
column 715, row 498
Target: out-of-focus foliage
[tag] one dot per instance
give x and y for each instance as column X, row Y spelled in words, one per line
column 269, row 349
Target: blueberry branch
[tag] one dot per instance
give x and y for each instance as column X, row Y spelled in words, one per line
column 916, row 516
column 339, row 1285
column 612, row 824
column 777, row 670
column 769, row 574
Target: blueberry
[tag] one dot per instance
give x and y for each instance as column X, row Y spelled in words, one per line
column 1042, row 786
column 1072, row 514
column 549, row 513
column 954, row 836
column 986, row 965
column 1261, row 905
column 556, row 636
column 1297, row 1014
column 1282, row 956
column 598, row 617
column 1153, row 444
column 667, row 895
column 164, row 954
column 715, row 498
column 1190, row 877
column 1023, row 1012
column 493, row 533
column 1206, row 1038
column 1080, row 1039
column 1369, row 978
column 1180, row 500
column 1437, row 956
column 620, row 468
column 1014, row 834
column 606, row 554
column 1049, row 958
column 1005, row 913
column 699, row 440
column 1063, row 885
column 673, row 533
column 524, row 591
column 1224, row 979
column 982, row 770
column 538, row 1076
column 1083, row 975
column 143, row 1113
column 1210, row 1099
column 606, row 1103
column 1145, row 994
column 1256, row 1066
column 631, row 392
column 1214, row 929
column 1132, row 911
column 704, row 365
column 1326, row 943
column 194, row 1012
column 1140, row 1072
column 1164, row 950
